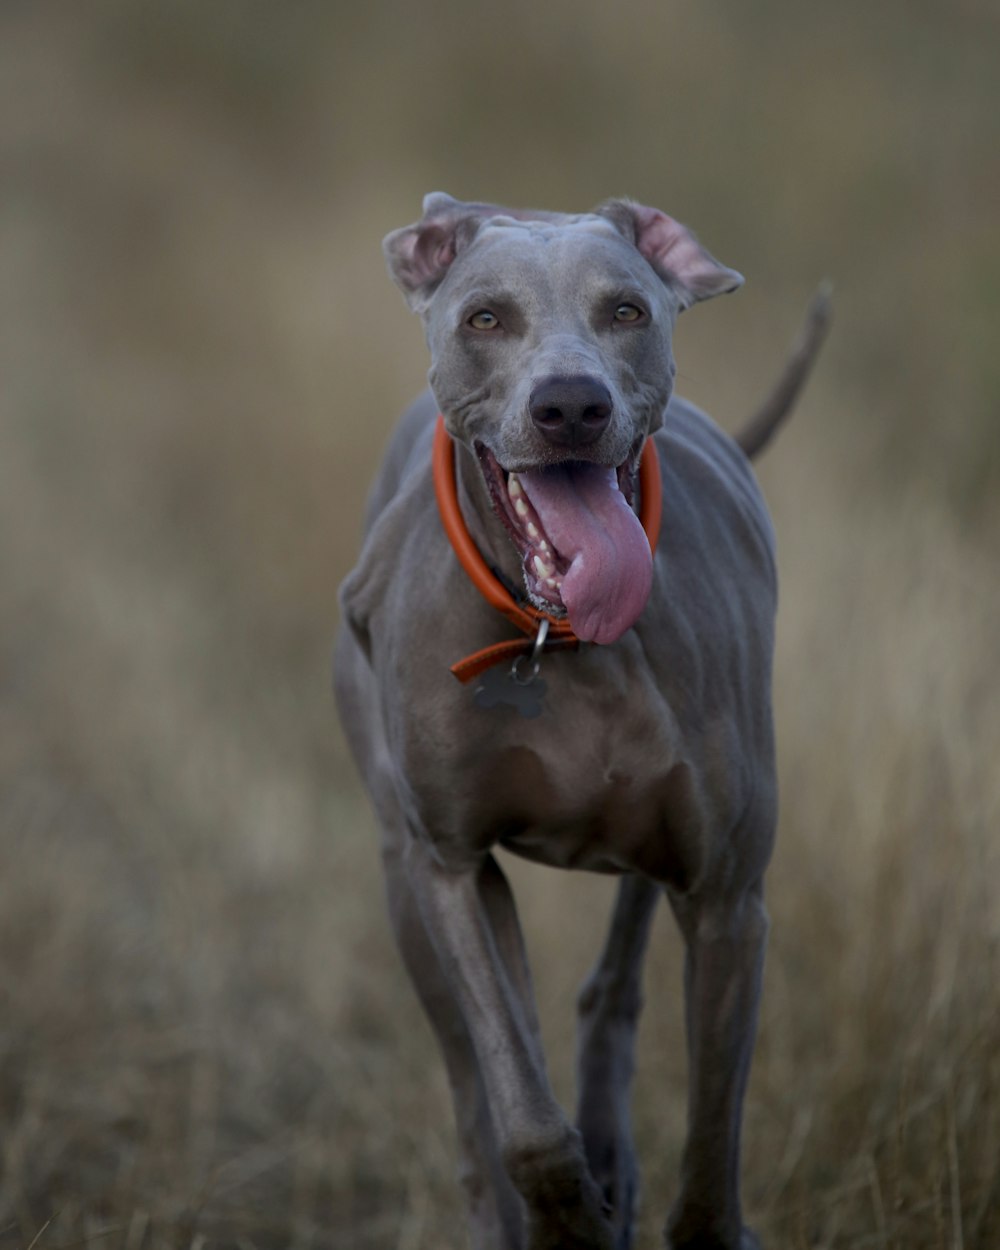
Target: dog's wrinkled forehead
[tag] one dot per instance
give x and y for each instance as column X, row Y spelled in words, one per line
column 542, row 232
column 540, row 261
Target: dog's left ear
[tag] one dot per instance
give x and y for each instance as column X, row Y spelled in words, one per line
column 672, row 250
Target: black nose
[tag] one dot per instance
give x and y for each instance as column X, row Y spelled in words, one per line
column 570, row 412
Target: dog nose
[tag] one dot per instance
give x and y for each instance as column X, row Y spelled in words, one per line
column 570, row 411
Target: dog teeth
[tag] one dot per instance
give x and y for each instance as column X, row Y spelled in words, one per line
column 553, row 583
column 516, row 492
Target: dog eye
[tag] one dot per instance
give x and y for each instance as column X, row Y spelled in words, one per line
column 484, row 320
column 628, row 312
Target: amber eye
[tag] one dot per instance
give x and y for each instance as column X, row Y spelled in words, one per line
column 627, row 313
column 484, row 320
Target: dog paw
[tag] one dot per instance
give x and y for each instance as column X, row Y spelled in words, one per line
column 565, row 1208
column 612, row 1165
column 712, row 1241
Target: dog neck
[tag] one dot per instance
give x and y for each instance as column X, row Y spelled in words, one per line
column 485, row 528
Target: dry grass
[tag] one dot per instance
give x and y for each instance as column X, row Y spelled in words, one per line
column 205, row 1036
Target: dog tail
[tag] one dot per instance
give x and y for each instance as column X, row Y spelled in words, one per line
column 764, row 424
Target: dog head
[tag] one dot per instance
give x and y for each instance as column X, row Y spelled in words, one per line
column 551, row 359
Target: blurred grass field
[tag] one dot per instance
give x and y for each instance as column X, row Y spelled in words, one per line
column 206, row 1039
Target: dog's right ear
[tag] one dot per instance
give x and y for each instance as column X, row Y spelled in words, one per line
column 419, row 255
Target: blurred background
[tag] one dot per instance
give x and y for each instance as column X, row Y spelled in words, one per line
column 206, row 1038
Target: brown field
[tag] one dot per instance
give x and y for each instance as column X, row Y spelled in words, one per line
column 206, row 1039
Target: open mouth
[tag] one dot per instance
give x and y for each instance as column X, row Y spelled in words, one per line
column 583, row 552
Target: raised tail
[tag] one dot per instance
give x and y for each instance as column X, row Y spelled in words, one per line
column 764, row 424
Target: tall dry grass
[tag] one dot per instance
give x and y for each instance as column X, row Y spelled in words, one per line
column 205, row 1036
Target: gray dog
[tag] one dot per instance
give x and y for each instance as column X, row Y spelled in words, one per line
column 645, row 751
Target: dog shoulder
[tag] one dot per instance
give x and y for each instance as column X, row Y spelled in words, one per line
column 407, row 452
column 711, row 489
column 401, row 501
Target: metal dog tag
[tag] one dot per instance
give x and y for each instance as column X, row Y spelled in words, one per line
column 504, row 686
column 524, row 692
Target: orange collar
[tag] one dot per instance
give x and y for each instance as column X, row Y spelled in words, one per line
column 525, row 617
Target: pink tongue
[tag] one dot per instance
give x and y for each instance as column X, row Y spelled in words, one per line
column 589, row 523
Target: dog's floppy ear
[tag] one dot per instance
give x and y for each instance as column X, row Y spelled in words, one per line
column 672, row 250
column 419, row 255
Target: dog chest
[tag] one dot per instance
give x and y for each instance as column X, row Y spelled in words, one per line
column 603, row 780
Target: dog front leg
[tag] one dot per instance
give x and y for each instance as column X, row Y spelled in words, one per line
column 496, row 1215
column 724, row 963
column 541, row 1152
